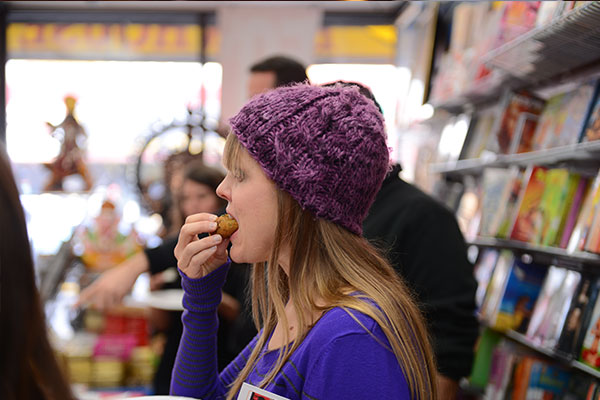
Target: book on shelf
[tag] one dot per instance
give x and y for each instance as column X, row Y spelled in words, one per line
column 503, row 360
column 552, row 283
column 452, row 138
column 518, row 296
column 495, row 288
column 483, row 367
column 468, row 213
column 583, row 299
column 580, row 387
column 512, row 106
column 590, row 346
column 548, row 121
column 528, row 219
column 589, row 208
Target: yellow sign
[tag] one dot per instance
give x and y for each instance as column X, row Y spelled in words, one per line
column 109, row 41
column 372, row 42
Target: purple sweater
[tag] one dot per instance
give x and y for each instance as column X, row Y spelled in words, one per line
column 338, row 359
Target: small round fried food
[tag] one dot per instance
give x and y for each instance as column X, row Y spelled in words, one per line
column 226, row 225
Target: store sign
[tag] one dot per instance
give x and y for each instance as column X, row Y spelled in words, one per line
column 154, row 42
column 371, row 43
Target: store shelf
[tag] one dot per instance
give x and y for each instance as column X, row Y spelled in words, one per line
column 549, row 55
column 565, row 361
column 546, row 53
column 578, row 260
column 585, row 154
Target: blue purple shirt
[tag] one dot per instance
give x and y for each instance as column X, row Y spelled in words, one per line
column 338, row 359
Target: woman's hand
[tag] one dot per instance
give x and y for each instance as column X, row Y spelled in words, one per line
column 199, row 257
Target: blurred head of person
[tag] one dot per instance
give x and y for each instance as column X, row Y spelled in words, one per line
column 274, row 72
column 27, row 361
column 364, row 90
column 198, row 191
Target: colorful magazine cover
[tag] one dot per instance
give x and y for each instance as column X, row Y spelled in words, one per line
column 590, row 350
column 514, row 105
column 496, row 186
column 559, row 192
column 548, row 121
column 574, row 211
column 552, row 283
column 592, row 129
column 506, row 216
column 519, row 296
column 577, row 114
column 483, row 273
column 586, row 218
column 529, row 218
column 574, row 324
column 495, row 290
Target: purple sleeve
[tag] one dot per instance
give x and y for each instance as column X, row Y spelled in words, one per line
column 356, row 366
column 195, row 373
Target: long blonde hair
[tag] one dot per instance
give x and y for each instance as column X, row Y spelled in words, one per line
column 327, row 263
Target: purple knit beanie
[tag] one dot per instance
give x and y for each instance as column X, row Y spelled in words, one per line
column 325, row 146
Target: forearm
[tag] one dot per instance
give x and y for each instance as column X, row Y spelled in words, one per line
column 195, row 373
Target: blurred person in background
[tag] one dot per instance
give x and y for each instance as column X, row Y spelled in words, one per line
column 197, row 194
column 28, row 365
column 425, row 246
column 273, row 72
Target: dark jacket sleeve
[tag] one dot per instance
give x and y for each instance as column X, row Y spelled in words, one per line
column 162, row 257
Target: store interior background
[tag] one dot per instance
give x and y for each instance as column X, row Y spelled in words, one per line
column 147, row 74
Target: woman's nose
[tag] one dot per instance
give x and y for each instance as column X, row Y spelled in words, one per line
column 222, row 190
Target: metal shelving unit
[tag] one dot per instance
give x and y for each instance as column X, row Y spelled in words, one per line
column 562, row 50
column 582, row 154
column 578, row 260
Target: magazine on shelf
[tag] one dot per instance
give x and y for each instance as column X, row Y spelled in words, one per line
column 504, row 219
column 548, row 332
column 483, row 273
column 529, row 216
column 495, row 289
column 582, row 300
column 548, row 121
column 558, row 195
column 519, row 295
column 592, row 243
column 546, row 381
column 496, row 188
column 513, row 105
column 574, row 211
column 592, row 129
column 552, row 283
column 504, row 358
column 478, row 138
column 570, row 117
column 590, row 348
column 586, row 216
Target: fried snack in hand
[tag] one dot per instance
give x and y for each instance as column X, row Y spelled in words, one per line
column 226, row 225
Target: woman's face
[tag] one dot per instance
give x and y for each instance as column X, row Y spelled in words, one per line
column 252, row 198
column 198, row 197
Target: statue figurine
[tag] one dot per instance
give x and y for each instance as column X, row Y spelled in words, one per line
column 70, row 159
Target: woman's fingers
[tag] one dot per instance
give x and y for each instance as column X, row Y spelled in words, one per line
column 194, row 225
